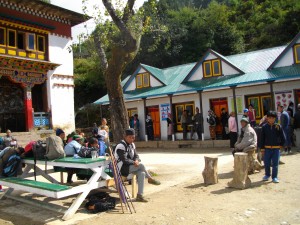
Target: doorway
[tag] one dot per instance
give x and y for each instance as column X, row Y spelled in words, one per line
column 216, row 105
column 154, row 113
column 262, row 103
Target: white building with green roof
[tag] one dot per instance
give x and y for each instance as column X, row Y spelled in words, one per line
column 264, row 78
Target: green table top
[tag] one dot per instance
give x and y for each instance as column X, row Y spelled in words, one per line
column 36, row 184
column 73, row 160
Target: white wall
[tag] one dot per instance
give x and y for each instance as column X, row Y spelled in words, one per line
column 61, row 99
column 288, row 58
column 226, row 69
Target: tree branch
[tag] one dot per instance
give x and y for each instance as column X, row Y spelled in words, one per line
column 128, row 10
column 119, row 22
column 100, row 51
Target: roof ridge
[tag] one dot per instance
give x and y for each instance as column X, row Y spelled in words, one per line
column 258, row 50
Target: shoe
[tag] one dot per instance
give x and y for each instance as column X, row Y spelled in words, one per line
column 141, row 198
column 154, row 182
column 275, row 180
column 290, row 152
column 266, row 178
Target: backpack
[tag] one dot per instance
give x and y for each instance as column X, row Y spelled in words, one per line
column 39, row 150
column 55, row 148
column 211, row 120
column 100, row 202
column 10, row 167
column 28, row 149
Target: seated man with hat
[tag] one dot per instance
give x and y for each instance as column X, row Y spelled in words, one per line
column 247, row 139
column 129, row 163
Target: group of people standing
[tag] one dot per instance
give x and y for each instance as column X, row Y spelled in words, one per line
column 195, row 122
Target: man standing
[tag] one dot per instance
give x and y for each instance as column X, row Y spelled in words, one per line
column 297, row 127
column 129, row 162
column 184, row 123
column 284, row 122
column 149, row 127
column 272, row 138
column 211, row 120
column 198, row 122
column 224, row 122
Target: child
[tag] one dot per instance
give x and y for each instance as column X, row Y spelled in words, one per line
column 272, row 139
column 103, row 135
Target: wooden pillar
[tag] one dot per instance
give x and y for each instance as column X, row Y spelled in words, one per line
column 145, row 116
column 240, row 177
column 28, row 109
column 272, row 95
column 235, row 107
column 171, row 111
column 201, row 109
column 101, row 115
column 210, row 172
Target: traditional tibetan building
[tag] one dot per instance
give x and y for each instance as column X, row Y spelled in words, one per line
column 264, row 78
column 36, row 65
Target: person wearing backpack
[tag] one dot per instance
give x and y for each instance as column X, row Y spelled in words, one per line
column 128, row 162
column 211, row 120
column 10, row 162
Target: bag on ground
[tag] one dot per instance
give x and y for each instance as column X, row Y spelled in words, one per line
column 100, row 202
column 55, row 148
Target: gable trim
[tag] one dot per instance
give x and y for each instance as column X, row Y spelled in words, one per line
column 210, row 51
column 291, row 44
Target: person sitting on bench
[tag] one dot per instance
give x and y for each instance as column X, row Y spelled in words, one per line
column 129, row 163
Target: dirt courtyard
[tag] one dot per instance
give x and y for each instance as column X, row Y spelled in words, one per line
column 183, row 199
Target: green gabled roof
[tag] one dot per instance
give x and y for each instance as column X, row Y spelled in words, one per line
column 157, row 73
column 256, row 60
column 254, row 64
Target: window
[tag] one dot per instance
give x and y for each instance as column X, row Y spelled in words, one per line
column 21, row 40
column 179, row 108
column 2, row 36
column 297, row 53
column 212, row 68
column 132, row 112
column 262, row 103
column 30, row 42
column 12, row 38
column 40, row 43
column 142, row 80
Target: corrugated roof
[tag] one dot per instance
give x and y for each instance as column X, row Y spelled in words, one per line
column 254, row 64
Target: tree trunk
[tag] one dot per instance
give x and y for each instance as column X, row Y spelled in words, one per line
column 240, row 178
column 210, row 172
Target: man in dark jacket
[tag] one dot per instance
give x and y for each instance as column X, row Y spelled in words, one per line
column 284, row 122
column 272, row 138
column 129, row 162
column 297, row 126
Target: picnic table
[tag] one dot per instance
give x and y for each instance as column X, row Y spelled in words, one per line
column 55, row 189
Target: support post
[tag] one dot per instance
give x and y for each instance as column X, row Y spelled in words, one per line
column 235, row 107
column 171, row 111
column 272, row 94
column 201, row 109
column 28, row 109
column 145, row 116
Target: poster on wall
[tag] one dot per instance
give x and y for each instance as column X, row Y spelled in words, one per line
column 284, row 98
column 165, row 109
column 239, row 104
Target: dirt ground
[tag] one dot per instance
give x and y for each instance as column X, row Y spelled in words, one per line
column 183, row 199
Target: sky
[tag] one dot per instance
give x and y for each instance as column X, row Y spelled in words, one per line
column 76, row 5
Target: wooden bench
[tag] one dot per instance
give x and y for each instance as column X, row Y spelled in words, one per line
column 32, row 186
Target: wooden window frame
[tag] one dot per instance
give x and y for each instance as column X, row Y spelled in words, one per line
column 295, row 53
column 27, row 42
column 44, row 43
column 204, row 68
column 4, row 30
column 183, row 106
column 131, row 112
column 213, row 68
column 142, row 77
column 15, row 31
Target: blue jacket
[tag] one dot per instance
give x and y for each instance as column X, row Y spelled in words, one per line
column 272, row 135
column 284, row 120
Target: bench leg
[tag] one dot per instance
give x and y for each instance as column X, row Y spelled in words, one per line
column 78, row 201
column 134, row 186
column 61, row 177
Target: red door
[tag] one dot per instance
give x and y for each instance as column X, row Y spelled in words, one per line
column 216, row 106
column 154, row 112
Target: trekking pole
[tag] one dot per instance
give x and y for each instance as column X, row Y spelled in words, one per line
column 116, row 181
column 120, row 181
column 130, row 199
